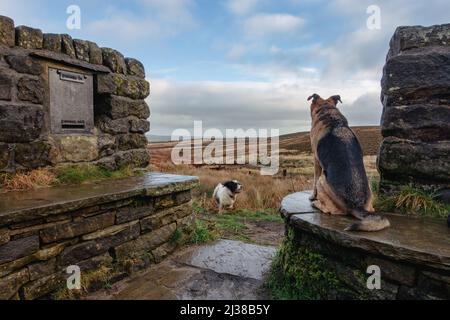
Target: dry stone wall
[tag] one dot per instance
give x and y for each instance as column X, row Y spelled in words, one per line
column 139, row 224
column 416, row 117
column 120, row 110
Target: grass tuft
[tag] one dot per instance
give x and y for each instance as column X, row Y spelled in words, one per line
column 203, row 233
column 412, row 201
column 40, row 178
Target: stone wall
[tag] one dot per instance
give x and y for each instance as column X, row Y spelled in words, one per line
column 413, row 256
column 120, row 89
column 416, row 117
column 124, row 228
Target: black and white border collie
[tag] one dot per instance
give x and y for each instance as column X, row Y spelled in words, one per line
column 225, row 194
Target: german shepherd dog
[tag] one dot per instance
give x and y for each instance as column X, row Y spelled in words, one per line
column 341, row 186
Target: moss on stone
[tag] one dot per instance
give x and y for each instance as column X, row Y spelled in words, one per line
column 299, row 273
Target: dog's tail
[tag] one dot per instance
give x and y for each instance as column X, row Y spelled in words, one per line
column 369, row 221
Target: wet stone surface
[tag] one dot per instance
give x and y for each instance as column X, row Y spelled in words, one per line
column 225, row 270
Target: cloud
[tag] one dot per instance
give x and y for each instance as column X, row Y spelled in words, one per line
column 241, row 7
column 237, row 51
column 264, row 24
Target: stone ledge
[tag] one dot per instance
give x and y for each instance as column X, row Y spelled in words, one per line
column 16, row 207
column 419, row 241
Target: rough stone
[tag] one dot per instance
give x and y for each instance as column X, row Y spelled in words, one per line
column 434, row 284
column 7, row 31
column 52, row 42
column 394, row 271
column 5, row 157
column 131, row 141
column 135, row 158
column 108, row 163
column 95, row 53
column 43, row 286
column 409, row 38
column 67, row 46
column 165, row 217
column 33, row 155
column 29, row 38
column 24, row 64
column 139, row 125
column 106, row 145
column 42, row 269
column 17, row 249
column 4, row 236
column 120, row 107
column 121, row 85
column 145, row 243
column 114, row 60
column 10, row 285
column 160, row 253
column 403, row 159
column 31, row 90
column 5, row 87
column 108, row 232
column 75, row 148
column 422, row 77
column 74, row 229
column 86, row 250
column 426, row 122
column 135, row 68
column 132, row 213
column 114, row 127
column 20, row 123
column 104, row 260
column 81, row 49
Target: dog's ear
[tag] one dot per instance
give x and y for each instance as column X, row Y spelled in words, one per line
column 336, row 99
column 231, row 185
column 314, row 97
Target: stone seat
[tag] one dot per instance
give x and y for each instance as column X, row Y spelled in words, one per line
column 422, row 245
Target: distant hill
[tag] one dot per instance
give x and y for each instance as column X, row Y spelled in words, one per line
column 370, row 138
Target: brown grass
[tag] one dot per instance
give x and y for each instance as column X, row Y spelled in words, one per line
column 40, row 178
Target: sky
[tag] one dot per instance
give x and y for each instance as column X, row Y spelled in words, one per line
column 243, row 63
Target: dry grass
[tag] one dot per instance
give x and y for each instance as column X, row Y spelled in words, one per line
column 40, row 178
column 260, row 192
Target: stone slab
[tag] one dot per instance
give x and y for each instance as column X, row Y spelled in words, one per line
column 422, row 241
column 16, row 207
column 64, row 59
column 233, row 258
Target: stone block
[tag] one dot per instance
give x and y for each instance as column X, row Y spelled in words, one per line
column 114, row 60
column 132, row 213
column 131, row 141
column 75, row 229
column 166, row 217
column 106, row 145
column 135, row 158
column 160, row 253
column 7, row 32
column 17, row 249
column 52, row 42
column 401, row 159
column 10, row 285
column 20, row 123
column 81, row 49
column 33, row 155
column 104, row 260
column 67, row 46
column 42, row 269
column 86, row 250
column 135, row 68
column 114, row 127
column 139, row 125
column 121, row 85
column 416, row 37
column 117, row 107
column 4, row 236
column 24, row 64
column 108, row 232
column 434, row 284
column 394, row 271
column 29, row 38
column 6, row 84
column 29, row 89
column 43, row 286
column 425, row 122
column 75, row 148
column 5, row 158
column 95, row 53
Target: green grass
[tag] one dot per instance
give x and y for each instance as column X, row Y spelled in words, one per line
column 412, row 201
column 83, row 173
column 202, row 233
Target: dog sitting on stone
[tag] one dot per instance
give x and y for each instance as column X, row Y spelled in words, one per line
column 226, row 193
column 341, row 186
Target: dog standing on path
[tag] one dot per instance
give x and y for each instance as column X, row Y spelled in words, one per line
column 341, row 186
column 225, row 194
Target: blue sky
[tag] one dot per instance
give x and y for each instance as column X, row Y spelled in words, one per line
column 243, row 63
